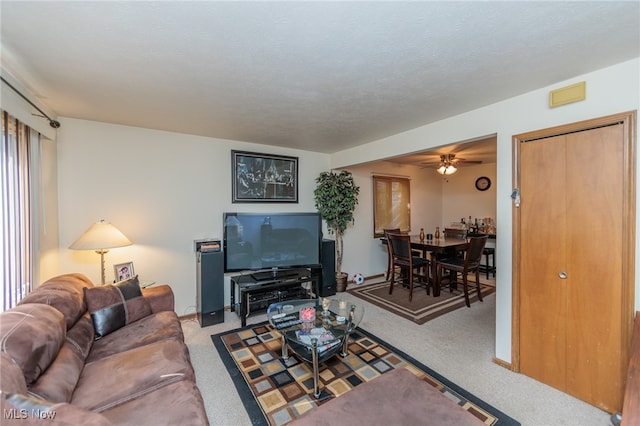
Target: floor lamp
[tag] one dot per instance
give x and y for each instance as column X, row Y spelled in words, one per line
column 101, row 236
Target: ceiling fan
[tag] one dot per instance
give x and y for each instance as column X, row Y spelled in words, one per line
column 448, row 163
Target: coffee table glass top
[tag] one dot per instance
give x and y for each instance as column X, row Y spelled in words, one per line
column 305, row 319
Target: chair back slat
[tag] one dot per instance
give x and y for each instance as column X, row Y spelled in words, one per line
column 386, row 235
column 400, row 246
column 455, row 233
column 474, row 250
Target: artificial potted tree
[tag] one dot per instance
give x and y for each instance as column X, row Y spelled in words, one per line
column 336, row 197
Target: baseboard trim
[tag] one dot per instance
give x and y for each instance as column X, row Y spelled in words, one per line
column 194, row 315
column 373, row 276
column 502, row 363
column 188, row 317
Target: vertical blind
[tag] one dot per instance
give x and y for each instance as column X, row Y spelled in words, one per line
column 16, row 228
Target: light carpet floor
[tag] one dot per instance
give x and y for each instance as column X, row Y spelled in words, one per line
column 458, row 345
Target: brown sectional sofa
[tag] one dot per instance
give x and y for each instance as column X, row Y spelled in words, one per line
column 139, row 372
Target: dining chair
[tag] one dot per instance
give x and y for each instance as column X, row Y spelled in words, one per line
column 455, row 233
column 410, row 265
column 469, row 263
column 389, row 259
column 393, row 231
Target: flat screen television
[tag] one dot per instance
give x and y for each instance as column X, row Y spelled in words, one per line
column 261, row 241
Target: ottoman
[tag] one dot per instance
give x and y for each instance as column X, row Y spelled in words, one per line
column 395, row 398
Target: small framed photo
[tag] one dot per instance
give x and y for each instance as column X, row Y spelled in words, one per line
column 123, row 271
column 263, row 178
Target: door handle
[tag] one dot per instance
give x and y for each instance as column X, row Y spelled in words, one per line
column 562, row 275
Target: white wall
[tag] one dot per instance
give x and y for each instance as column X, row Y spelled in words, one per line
column 162, row 190
column 461, row 199
column 609, row 91
column 48, row 242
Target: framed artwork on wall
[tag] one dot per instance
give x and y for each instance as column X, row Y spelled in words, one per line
column 260, row 178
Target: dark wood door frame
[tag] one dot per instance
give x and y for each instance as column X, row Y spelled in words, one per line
column 628, row 120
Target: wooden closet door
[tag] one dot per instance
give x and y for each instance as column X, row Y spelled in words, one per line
column 543, row 307
column 594, row 228
column 571, row 264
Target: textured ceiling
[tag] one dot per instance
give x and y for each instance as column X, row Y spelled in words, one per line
column 320, row 76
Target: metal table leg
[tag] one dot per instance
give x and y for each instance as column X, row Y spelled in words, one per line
column 314, row 358
column 285, row 352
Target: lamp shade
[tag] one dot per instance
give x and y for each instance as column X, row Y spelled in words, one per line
column 100, row 236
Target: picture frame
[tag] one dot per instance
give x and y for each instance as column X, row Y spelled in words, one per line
column 123, row 271
column 263, row 178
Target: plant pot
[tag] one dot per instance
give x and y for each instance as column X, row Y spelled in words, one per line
column 341, row 281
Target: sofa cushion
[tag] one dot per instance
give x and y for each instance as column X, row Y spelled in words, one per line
column 32, row 335
column 131, row 374
column 58, row 382
column 181, row 404
column 81, row 336
column 65, row 293
column 154, row 328
column 114, row 306
column 160, row 298
column 11, row 376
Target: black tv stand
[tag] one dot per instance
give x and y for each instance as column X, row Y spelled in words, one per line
column 276, row 273
column 258, row 290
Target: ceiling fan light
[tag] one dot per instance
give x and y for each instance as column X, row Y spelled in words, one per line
column 446, row 169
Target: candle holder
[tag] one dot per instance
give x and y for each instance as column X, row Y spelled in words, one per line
column 326, row 302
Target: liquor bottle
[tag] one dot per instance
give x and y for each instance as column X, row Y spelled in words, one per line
column 421, row 234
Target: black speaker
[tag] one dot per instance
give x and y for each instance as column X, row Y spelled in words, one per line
column 210, row 288
column 328, row 271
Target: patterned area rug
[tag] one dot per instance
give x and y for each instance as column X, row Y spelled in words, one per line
column 275, row 392
column 423, row 307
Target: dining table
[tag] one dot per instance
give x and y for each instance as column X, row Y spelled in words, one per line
column 438, row 247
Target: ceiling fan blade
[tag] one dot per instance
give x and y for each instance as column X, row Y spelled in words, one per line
column 461, row 161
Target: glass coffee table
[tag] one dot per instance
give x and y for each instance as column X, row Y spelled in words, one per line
column 313, row 333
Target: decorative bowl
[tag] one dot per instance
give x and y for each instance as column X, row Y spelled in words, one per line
column 307, row 314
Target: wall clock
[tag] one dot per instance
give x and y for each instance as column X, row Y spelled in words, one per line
column 483, row 183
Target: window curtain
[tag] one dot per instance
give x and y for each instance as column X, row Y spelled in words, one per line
column 391, row 204
column 19, row 165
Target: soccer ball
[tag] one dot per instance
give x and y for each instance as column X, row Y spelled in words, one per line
column 358, row 279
